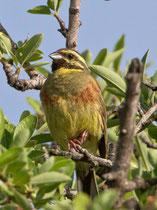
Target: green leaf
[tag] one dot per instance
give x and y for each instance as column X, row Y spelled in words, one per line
column 33, row 66
column 34, row 104
column 52, row 4
column 30, row 47
column 43, row 71
column 21, row 178
column 35, row 154
column 112, row 78
column 5, row 43
column 24, row 131
column 152, row 130
column 8, row 135
column 35, row 57
column 112, row 57
column 42, row 10
column 5, row 188
column 112, row 136
column 24, row 114
column 64, row 166
column 22, row 200
column 119, row 45
column 112, row 122
column 43, row 128
column 85, row 201
column 152, row 155
column 15, row 166
column 144, row 58
column 115, row 92
column 50, row 178
column 105, row 200
column 15, row 59
column 87, row 55
column 2, row 123
column 40, row 139
column 100, row 58
column 10, row 155
column 47, row 165
column 59, row 5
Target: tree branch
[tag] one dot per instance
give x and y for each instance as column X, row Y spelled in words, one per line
column 145, row 117
column 84, row 155
column 154, row 88
column 74, row 23
column 36, row 81
column 145, row 140
column 63, row 30
column 124, row 149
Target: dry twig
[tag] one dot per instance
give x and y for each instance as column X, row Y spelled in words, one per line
column 154, row 88
column 144, row 118
column 145, row 140
column 84, row 156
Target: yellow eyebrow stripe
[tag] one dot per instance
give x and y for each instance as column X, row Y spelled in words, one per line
column 64, row 70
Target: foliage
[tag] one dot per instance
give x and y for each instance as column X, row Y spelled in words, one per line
column 28, row 177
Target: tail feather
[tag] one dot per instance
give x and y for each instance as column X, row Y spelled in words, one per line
column 87, row 184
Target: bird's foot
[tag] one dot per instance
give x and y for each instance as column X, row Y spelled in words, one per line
column 80, row 141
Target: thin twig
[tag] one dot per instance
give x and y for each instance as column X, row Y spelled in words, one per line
column 85, row 156
column 144, row 118
column 145, row 140
column 139, row 183
column 153, row 88
column 116, row 109
column 63, row 30
column 139, row 109
column 74, row 23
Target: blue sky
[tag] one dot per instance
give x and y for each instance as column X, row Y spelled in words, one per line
column 103, row 23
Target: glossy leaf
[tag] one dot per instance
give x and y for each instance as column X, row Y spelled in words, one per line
column 112, row 57
column 24, row 131
column 10, row 155
column 100, row 58
column 15, row 59
column 5, row 43
column 112, row 122
column 2, row 123
column 35, row 57
column 34, row 104
column 33, row 66
column 50, row 178
column 112, row 78
column 87, row 55
column 52, row 4
column 42, row 10
column 24, row 114
column 30, row 47
column 112, row 136
column 85, row 201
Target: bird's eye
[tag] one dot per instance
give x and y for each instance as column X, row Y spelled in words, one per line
column 70, row 56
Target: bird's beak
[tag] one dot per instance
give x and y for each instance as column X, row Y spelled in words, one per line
column 55, row 55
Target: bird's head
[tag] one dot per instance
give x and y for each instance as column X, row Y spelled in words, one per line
column 68, row 59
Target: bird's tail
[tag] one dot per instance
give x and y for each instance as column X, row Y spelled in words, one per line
column 87, row 183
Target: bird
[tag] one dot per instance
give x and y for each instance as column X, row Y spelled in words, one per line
column 75, row 112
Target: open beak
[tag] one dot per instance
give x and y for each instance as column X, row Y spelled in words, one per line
column 55, row 55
